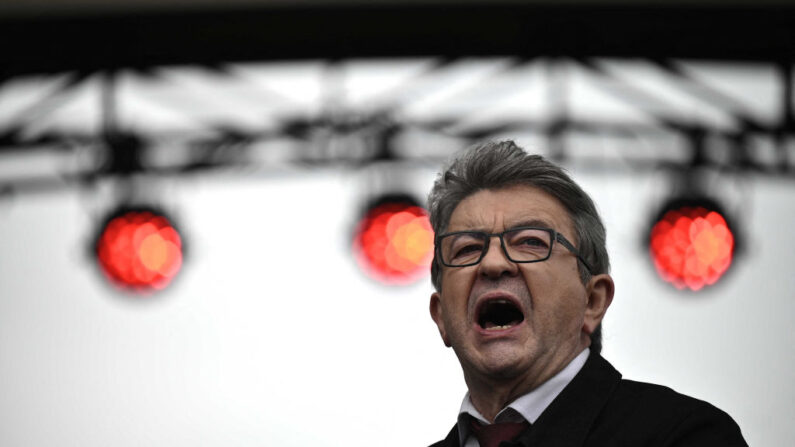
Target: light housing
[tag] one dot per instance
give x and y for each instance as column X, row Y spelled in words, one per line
column 139, row 249
column 393, row 240
column 692, row 243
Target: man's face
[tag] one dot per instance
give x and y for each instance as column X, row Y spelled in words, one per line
column 504, row 318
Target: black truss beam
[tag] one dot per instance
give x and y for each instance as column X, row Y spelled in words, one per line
column 91, row 42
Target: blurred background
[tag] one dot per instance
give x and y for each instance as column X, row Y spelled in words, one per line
column 211, row 215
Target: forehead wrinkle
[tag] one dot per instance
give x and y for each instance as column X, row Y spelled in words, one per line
column 496, row 218
column 477, row 222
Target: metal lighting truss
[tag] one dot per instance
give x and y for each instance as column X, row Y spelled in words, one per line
column 598, row 86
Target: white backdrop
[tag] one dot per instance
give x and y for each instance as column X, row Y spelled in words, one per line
column 257, row 344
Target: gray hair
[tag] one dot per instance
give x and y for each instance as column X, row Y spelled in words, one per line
column 496, row 165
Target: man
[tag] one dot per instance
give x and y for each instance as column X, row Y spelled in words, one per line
column 522, row 285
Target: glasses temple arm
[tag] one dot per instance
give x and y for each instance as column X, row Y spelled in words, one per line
column 559, row 237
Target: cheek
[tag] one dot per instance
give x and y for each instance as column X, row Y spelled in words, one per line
column 456, row 286
column 557, row 300
column 457, row 283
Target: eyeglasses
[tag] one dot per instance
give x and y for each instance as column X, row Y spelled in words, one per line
column 520, row 244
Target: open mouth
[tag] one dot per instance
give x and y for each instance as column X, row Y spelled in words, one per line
column 499, row 314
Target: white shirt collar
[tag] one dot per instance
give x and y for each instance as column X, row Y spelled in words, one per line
column 529, row 406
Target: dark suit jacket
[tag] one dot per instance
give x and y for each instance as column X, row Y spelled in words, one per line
column 600, row 409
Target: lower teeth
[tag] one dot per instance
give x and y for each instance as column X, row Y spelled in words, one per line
column 494, row 328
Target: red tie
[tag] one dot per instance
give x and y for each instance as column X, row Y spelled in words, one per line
column 492, row 435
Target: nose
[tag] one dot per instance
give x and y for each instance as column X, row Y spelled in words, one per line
column 495, row 262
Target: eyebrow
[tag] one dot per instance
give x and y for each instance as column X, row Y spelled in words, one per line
column 522, row 223
column 532, row 223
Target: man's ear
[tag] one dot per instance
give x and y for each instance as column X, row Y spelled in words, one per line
column 600, row 294
column 436, row 314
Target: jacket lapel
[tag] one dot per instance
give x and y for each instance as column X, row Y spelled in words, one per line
column 568, row 419
column 451, row 440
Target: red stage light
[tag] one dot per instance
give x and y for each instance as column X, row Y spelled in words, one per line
column 691, row 246
column 394, row 242
column 139, row 250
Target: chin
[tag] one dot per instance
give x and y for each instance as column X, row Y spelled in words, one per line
column 506, row 364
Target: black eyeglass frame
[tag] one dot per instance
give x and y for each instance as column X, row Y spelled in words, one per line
column 554, row 236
